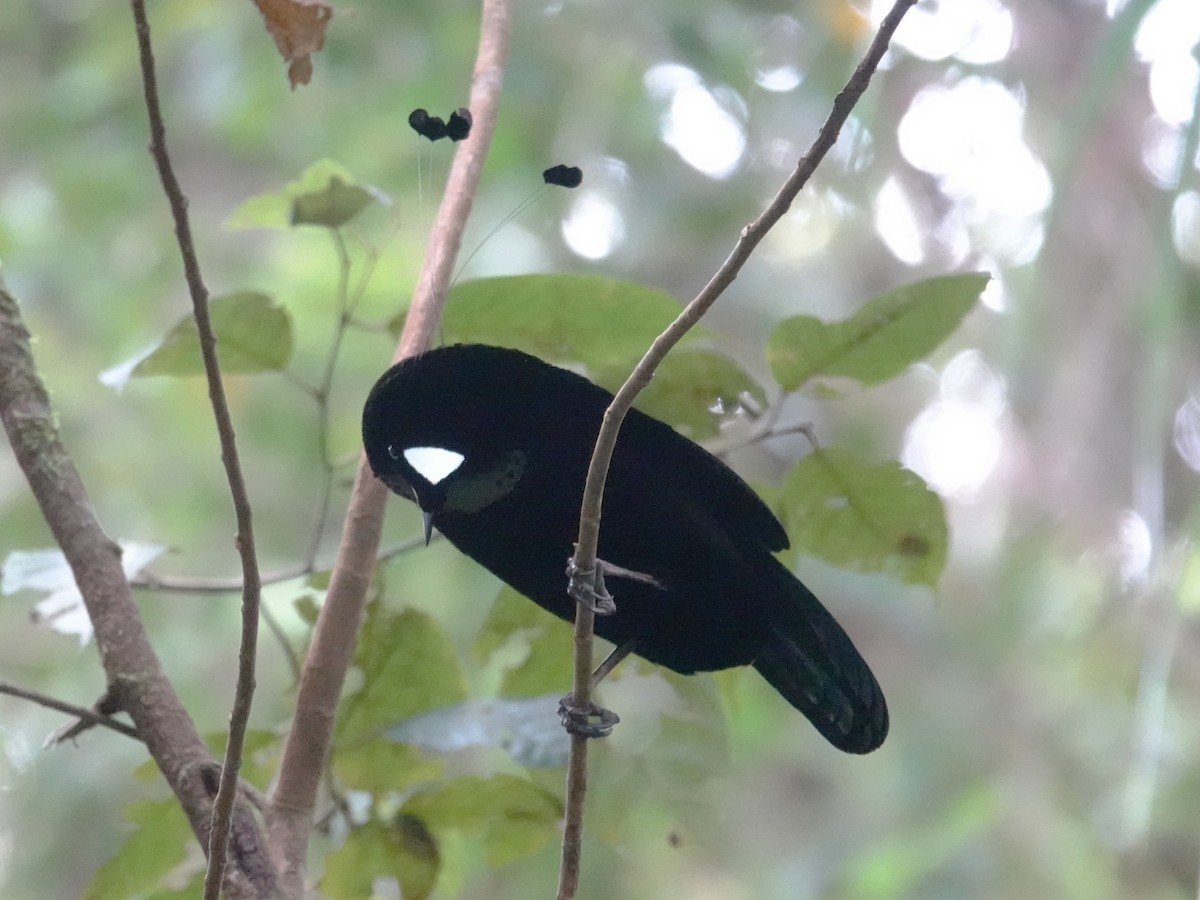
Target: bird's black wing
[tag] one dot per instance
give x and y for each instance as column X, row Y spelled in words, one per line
column 650, row 452
column 651, row 458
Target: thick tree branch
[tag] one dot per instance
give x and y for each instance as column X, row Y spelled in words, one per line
column 589, row 517
column 218, row 841
column 332, row 648
column 136, row 680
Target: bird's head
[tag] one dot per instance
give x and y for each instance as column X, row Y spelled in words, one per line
column 441, row 429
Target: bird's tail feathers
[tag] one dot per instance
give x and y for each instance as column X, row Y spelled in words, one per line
column 812, row 662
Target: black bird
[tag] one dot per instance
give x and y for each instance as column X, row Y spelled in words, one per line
column 494, row 444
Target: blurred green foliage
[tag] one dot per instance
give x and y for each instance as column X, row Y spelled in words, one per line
column 1044, row 722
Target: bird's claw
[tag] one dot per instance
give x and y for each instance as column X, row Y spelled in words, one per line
column 586, row 587
column 594, row 722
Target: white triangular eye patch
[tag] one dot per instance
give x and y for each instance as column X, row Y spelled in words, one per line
column 433, row 463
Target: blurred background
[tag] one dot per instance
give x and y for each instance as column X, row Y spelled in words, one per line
column 1045, row 698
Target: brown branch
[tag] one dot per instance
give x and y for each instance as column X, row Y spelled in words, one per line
column 589, row 516
column 85, row 715
column 136, row 680
column 218, row 839
column 329, row 656
column 215, row 584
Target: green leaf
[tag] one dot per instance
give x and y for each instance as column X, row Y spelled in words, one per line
column 325, row 194
column 511, row 613
column 404, row 850
column 546, row 665
column 307, row 609
column 889, row 333
column 865, row 517
column 527, row 728
column 588, row 319
column 692, row 390
column 155, row 848
column 671, row 746
column 515, row 816
column 332, row 206
column 568, row 319
column 189, row 891
column 379, row 765
column 254, row 334
column 408, row 666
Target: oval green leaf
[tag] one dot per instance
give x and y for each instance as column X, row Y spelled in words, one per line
column 888, row 334
column 408, row 666
column 403, row 850
column 588, row 319
column 254, row 334
column 865, row 517
column 515, row 816
column 332, row 206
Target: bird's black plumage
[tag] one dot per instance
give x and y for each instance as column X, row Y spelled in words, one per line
column 504, row 440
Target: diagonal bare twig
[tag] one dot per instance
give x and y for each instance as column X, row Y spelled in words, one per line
column 218, row 840
column 86, row 716
column 589, row 517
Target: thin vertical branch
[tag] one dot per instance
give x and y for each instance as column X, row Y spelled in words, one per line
column 218, row 843
column 323, row 391
column 307, row 745
column 589, row 517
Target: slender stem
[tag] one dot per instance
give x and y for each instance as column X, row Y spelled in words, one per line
column 218, row 843
column 189, row 584
column 324, row 387
column 82, row 713
column 589, row 516
column 307, row 744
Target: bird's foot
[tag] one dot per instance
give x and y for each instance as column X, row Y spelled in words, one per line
column 587, row 586
column 593, row 722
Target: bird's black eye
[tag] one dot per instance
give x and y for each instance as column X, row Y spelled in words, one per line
column 392, row 452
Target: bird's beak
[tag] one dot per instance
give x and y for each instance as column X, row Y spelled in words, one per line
column 427, row 518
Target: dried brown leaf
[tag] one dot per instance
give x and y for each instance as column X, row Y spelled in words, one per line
column 298, row 27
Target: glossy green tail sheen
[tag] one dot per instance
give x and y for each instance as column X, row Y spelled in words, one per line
column 811, row 661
